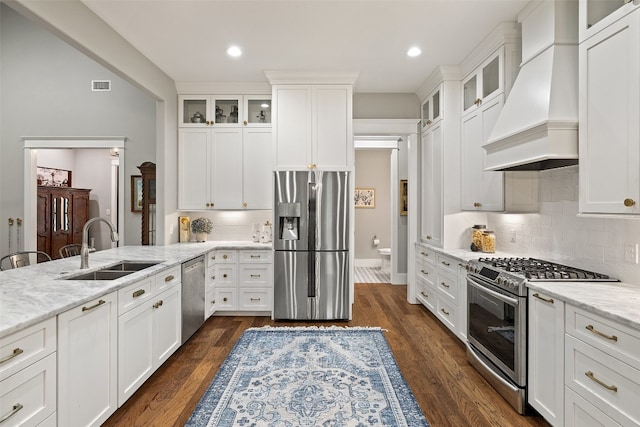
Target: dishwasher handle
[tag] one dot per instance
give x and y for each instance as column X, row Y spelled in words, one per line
column 192, row 264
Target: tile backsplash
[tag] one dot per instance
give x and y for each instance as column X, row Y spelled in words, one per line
column 557, row 233
column 233, row 225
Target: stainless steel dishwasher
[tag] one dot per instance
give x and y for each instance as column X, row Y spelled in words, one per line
column 192, row 296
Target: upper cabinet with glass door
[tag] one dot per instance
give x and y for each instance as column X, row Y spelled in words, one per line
column 431, row 108
column 484, row 84
column 224, row 110
column 257, row 110
column 595, row 15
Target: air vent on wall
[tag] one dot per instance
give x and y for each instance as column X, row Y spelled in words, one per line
column 100, row 85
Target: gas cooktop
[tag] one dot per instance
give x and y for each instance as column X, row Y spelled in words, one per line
column 534, row 269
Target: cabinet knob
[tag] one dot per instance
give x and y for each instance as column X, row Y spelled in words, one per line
column 225, row 256
column 245, row 122
column 478, row 101
column 429, row 122
column 244, row 205
column 224, row 299
column 224, row 275
column 629, row 202
column 312, row 166
column 428, row 237
column 477, row 205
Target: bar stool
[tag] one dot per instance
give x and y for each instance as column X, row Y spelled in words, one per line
column 22, row 259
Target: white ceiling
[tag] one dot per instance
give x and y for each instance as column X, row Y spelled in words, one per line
column 187, row 39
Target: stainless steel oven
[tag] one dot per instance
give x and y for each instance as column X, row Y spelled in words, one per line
column 497, row 317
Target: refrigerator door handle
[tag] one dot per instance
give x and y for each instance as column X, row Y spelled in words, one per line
column 313, row 201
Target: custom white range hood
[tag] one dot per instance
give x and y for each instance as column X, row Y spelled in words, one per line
column 538, row 125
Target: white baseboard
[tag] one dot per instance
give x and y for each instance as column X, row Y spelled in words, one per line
column 373, row 262
column 401, row 279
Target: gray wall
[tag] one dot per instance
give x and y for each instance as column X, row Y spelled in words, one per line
column 386, row 106
column 373, row 171
column 46, row 92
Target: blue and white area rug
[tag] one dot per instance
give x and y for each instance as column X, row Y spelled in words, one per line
column 301, row 376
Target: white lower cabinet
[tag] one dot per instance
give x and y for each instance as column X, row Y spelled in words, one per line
column 87, row 362
column 148, row 333
column 545, row 382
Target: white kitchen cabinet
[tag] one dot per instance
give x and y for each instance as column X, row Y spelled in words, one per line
column 481, row 190
column 28, row 375
column 602, row 370
column 224, row 168
column 87, row 362
column 609, row 153
column 313, row 127
column 545, row 381
column 484, row 83
column 432, row 212
column 211, row 110
column 595, row 15
column 149, row 330
column 462, row 301
column 431, row 108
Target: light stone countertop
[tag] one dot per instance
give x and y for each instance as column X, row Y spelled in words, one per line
column 617, row 301
column 34, row 293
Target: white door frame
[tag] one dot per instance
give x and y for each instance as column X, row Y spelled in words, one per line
column 31, row 145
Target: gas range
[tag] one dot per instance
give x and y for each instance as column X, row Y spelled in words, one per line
column 512, row 274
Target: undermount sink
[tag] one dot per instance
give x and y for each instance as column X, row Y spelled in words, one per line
column 115, row 271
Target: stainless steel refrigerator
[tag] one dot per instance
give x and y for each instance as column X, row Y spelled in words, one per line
column 311, row 245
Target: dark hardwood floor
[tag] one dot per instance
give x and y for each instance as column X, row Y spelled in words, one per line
column 431, row 358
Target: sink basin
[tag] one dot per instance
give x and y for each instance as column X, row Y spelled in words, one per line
column 131, row 265
column 100, row 275
column 115, row 271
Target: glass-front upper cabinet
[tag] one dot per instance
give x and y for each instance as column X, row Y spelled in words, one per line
column 431, row 108
column 595, row 15
column 194, row 110
column 257, row 110
column 483, row 84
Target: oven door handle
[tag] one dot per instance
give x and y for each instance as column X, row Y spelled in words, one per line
column 497, row 295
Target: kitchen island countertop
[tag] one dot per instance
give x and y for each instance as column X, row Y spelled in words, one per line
column 34, row 293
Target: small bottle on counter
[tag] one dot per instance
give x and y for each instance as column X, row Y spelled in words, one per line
column 488, row 242
column 476, row 237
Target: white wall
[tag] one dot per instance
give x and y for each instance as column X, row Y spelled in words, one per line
column 557, row 233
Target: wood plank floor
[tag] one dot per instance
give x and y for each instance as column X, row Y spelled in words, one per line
column 431, row 358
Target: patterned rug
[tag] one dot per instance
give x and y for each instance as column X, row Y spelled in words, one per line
column 297, row 376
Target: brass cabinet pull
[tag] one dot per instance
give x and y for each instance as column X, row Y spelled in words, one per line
column 444, row 311
column 94, row 306
column 429, row 122
column 169, row 278
column 255, row 275
column 477, row 205
column 224, row 257
column 16, row 352
column 137, row 293
column 245, row 122
column 213, row 277
column 158, row 304
column 14, row 411
column 255, row 299
column 312, row 166
column 255, row 256
column 603, row 335
column 428, row 237
column 424, row 295
column 244, row 205
column 445, row 263
column 478, row 101
column 629, row 202
column 213, row 302
column 224, row 275
column 462, row 265
column 592, row 377
column 424, row 272
column 213, row 258
column 224, row 299
column 424, row 253
column 445, row 285
column 549, row 300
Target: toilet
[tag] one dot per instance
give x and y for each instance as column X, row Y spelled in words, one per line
column 385, row 258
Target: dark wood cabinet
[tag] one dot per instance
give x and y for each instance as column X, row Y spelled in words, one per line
column 148, row 171
column 62, row 212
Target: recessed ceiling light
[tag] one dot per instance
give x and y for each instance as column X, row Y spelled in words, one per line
column 234, row 51
column 414, row 51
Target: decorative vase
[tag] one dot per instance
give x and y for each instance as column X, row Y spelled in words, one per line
column 201, row 236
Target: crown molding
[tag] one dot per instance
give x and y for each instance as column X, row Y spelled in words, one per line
column 311, row 77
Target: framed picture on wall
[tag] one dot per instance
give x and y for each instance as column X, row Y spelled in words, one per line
column 403, row 197
column 136, row 193
column 365, row 197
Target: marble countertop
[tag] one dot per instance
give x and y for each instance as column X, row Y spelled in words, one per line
column 617, row 301
column 34, row 293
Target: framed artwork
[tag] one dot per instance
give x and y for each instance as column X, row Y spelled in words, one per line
column 136, row 193
column 53, row 177
column 403, row 197
column 365, row 197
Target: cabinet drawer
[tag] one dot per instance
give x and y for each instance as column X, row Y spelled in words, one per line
column 255, row 275
column 426, row 272
column 226, row 299
column 609, row 384
column 426, row 255
column 166, row 279
column 612, row 338
column 255, row 299
column 447, row 313
column 225, row 256
column 255, row 256
column 134, row 295
column 580, row 413
column 226, row 274
column 26, row 346
column 447, row 264
column 30, row 395
column 447, row 285
column 426, row 294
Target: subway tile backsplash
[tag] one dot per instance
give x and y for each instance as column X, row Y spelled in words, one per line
column 233, row 225
column 557, row 233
